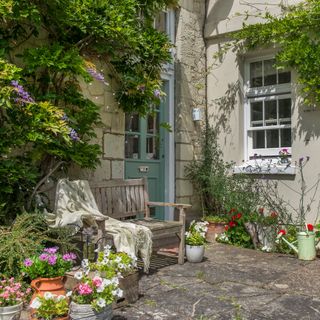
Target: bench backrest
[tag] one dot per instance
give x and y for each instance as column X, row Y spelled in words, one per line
column 121, row 199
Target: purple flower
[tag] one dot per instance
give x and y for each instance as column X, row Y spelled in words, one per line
column 95, row 74
column 52, row 260
column 157, row 93
column 74, row 135
column 69, row 256
column 28, row 262
column 141, row 87
column 43, row 256
column 65, row 118
column 23, row 96
column 52, row 250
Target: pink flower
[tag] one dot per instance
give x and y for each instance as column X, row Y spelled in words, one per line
column 69, row 256
column 84, row 289
column 97, row 281
column 43, row 256
column 27, row 263
column 52, row 250
column 52, row 260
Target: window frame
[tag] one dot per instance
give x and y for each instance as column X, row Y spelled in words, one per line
column 263, row 93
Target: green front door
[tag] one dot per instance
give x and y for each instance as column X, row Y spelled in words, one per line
column 144, row 152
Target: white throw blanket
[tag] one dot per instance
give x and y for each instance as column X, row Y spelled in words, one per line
column 75, row 205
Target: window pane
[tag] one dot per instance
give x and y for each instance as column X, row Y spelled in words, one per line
column 132, row 122
column 270, row 73
column 152, row 148
column 256, row 111
column 285, row 137
column 258, row 139
column 153, row 123
column 272, row 138
column 256, row 74
column 284, row 77
column 132, row 147
column 284, row 108
column 270, row 109
column 160, row 21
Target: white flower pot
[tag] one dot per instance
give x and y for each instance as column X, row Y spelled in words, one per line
column 11, row 312
column 194, row 253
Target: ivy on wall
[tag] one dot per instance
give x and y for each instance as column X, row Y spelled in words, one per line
column 295, row 33
column 46, row 47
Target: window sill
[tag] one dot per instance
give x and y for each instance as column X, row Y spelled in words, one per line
column 265, row 166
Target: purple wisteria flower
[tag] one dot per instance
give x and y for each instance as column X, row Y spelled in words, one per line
column 157, row 93
column 65, row 118
column 52, row 260
column 43, row 256
column 95, row 74
column 74, row 135
column 23, row 96
column 28, row 262
column 51, row 250
column 141, row 87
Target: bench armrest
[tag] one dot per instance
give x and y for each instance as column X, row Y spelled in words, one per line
column 168, row 204
column 180, row 206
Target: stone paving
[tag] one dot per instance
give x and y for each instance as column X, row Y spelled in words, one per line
column 232, row 283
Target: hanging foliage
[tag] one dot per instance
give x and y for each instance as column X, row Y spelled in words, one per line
column 46, row 48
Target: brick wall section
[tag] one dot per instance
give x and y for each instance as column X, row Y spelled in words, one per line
column 190, row 93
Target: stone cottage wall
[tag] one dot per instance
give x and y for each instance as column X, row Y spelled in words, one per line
column 190, row 93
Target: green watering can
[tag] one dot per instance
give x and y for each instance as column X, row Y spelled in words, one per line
column 306, row 249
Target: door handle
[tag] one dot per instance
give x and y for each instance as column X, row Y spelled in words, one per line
column 143, row 169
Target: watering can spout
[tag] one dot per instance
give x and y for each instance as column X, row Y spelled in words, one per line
column 290, row 245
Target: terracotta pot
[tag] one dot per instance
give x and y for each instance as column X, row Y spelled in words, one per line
column 53, row 285
column 214, row 228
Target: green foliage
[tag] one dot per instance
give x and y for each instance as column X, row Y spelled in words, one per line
column 297, row 34
column 53, row 122
column 27, row 236
column 196, row 234
column 210, row 174
column 50, row 306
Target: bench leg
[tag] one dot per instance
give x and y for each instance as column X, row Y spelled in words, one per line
column 182, row 218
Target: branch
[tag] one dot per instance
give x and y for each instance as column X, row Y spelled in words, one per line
column 51, row 171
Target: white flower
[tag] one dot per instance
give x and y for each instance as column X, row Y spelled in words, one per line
column 121, row 266
column 69, row 294
column 118, row 259
column 78, row 275
column 48, row 295
column 36, row 303
column 115, row 281
column 101, row 303
column 61, row 297
column 118, row 292
column 85, row 263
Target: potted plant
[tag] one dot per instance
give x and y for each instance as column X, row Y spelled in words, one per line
column 12, row 296
column 120, row 263
column 93, row 295
column 50, row 307
column 47, row 271
column 216, row 225
column 195, row 240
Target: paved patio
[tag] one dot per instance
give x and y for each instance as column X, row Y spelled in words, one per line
column 232, row 283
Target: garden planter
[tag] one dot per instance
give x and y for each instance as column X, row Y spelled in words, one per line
column 11, row 312
column 53, row 285
column 306, row 245
column 57, row 318
column 194, row 253
column 130, row 286
column 84, row 311
column 214, row 228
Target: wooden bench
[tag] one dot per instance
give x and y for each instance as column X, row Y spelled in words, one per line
column 129, row 199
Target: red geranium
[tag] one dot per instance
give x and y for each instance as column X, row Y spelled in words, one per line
column 226, row 228
column 232, row 224
column 282, row 232
column 310, row 227
column 273, row 214
column 239, row 215
column 232, row 210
